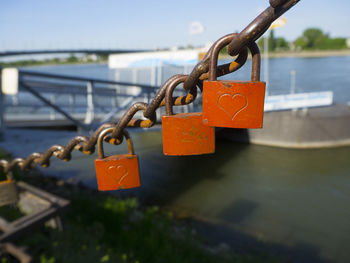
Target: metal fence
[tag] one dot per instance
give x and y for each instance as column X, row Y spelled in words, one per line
column 46, row 98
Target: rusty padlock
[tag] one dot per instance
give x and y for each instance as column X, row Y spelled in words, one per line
column 116, row 171
column 234, row 104
column 185, row 133
column 8, row 192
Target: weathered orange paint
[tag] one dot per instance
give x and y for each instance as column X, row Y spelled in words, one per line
column 233, row 104
column 185, row 134
column 117, row 172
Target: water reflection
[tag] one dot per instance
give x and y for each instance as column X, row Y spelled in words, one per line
column 312, row 74
column 295, row 199
column 276, row 195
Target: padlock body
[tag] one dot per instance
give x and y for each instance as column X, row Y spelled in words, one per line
column 117, row 172
column 185, row 134
column 233, row 104
column 8, row 192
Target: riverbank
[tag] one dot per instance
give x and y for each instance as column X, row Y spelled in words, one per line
column 265, row 198
column 102, row 228
column 313, row 53
column 302, row 54
column 284, row 54
column 50, row 62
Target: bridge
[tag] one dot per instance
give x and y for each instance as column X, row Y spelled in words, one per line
column 68, row 51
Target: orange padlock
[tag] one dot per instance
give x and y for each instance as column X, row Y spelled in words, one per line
column 117, row 171
column 185, row 133
column 234, row 104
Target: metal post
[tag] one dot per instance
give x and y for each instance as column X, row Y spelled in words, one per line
column 266, row 61
column 153, row 75
column 14, row 99
column 118, row 88
column 158, row 77
column 134, row 89
column 292, row 80
column 72, row 103
column 134, row 75
column 89, row 117
column 2, row 110
column 159, row 73
column 52, row 111
column 153, row 81
column 117, row 78
column 114, row 99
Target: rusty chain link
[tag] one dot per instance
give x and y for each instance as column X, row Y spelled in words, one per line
column 237, row 44
column 259, row 25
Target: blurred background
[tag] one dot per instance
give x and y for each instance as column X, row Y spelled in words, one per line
column 276, row 194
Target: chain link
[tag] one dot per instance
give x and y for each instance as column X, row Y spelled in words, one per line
column 259, row 25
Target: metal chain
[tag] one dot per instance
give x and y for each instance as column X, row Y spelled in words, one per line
column 260, row 25
column 87, row 145
column 238, row 44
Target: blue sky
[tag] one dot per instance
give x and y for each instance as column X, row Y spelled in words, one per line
column 151, row 24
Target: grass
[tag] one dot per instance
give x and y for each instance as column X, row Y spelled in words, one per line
column 102, row 228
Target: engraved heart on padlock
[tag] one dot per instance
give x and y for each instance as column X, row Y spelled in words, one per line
column 232, row 105
column 117, row 173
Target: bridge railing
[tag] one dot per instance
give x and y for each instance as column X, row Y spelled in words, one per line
column 51, row 98
column 80, row 100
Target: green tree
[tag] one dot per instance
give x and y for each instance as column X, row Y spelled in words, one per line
column 261, row 43
column 314, row 38
column 278, row 43
column 272, row 41
column 300, row 43
column 281, row 44
column 339, row 43
column 72, row 59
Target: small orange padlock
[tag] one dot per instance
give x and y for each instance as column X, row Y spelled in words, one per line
column 234, row 104
column 117, row 171
column 185, row 133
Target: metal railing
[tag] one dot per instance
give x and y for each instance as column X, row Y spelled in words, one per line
column 80, row 100
column 84, row 102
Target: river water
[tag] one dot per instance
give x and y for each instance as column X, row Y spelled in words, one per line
column 294, row 202
column 312, row 74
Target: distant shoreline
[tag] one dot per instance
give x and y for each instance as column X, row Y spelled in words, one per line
column 285, row 54
column 23, row 64
column 303, row 54
column 64, row 64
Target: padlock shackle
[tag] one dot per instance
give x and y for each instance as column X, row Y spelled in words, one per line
column 169, row 93
column 201, row 70
column 101, row 137
column 218, row 45
column 172, row 83
column 256, row 61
